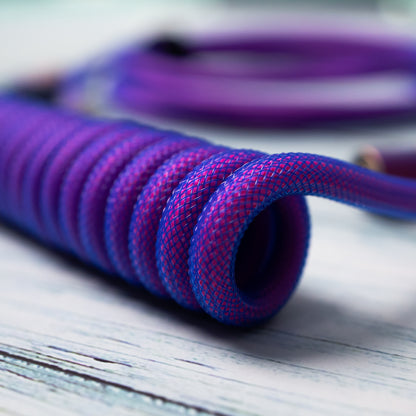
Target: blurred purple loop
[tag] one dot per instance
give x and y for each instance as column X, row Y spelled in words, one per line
column 250, row 79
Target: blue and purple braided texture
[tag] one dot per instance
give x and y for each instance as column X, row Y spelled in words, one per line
column 217, row 229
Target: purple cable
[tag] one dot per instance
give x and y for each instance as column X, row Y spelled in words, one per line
column 77, row 175
column 180, row 217
column 16, row 136
column 264, row 80
column 35, row 160
column 128, row 187
column 55, row 171
column 221, row 230
column 148, row 210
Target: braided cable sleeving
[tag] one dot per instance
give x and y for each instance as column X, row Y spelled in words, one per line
column 214, row 228
column 277, row 78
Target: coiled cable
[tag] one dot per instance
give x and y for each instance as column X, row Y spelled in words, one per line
column 264, row 79
column 217, row 229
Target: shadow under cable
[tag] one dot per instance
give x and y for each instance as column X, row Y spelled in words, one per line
column 280, row 339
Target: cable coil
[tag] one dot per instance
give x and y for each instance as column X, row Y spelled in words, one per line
column 213, row 228
column 288, row 78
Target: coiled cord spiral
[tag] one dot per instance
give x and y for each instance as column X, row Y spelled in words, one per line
column 286, row 78
column 213, row 228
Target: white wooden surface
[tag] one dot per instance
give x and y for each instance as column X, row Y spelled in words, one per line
column 73, row 342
